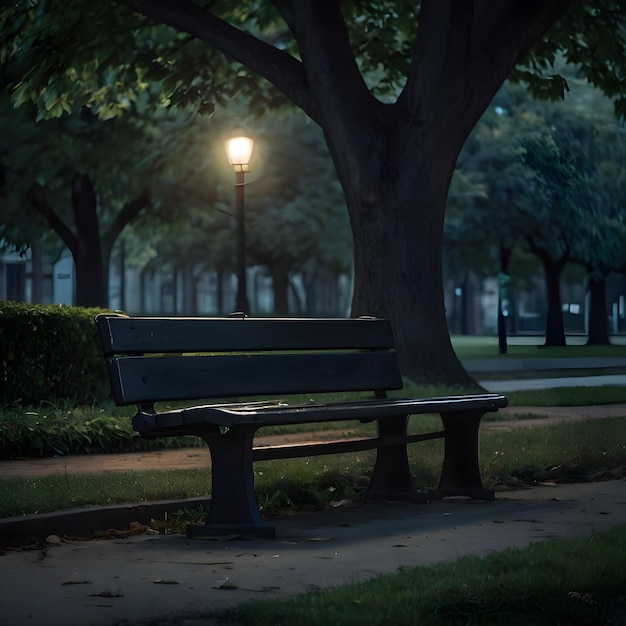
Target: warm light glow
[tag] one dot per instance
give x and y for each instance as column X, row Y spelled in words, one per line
column 239, row 151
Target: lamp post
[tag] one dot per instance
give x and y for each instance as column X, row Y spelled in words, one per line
column 239, row 151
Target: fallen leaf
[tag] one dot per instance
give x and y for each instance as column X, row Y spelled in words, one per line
column 339, row 503
column 107, row 594
column 220, row 582
column 163, row 581
column 42, row 555
column 54, row 540
column 77, row 582
column 113, row 533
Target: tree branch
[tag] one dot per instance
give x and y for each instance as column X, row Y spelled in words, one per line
column 322, row 36
column 279, row 68
column 55, row 222
column 465, row 50
column 285, row 8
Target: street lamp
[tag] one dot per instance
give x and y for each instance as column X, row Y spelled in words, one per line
column 239, row 151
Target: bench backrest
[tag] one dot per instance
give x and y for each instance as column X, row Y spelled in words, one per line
column 155, row 358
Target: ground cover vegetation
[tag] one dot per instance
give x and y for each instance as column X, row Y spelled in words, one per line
column 580, row 451
column 403, row 76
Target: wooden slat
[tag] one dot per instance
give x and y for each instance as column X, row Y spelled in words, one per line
column 147, row 379
column 123, row 335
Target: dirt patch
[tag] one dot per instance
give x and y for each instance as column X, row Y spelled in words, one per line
column 179, row 458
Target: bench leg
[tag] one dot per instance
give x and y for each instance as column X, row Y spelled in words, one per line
column 391, row 479
column 234, row 508
column 460, row 475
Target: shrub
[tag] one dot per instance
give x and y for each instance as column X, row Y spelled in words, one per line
column 50, row 353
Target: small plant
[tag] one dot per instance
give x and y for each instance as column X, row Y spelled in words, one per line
column 176, row 523
column 59, row 430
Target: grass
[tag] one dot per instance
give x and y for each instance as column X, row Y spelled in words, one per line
column 564, row 452
column 473, row 347
column 569, row 396
column 580, row 581
column 58, row 492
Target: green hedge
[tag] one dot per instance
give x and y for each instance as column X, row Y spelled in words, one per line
column 50, row 354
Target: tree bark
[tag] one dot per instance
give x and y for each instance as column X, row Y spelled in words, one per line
column 598, row 314
column 555, row 329
column 36, row 294
column 88, row 261
column 398, row 272
column 505, row 257
column 90, row 250
column 280, row 287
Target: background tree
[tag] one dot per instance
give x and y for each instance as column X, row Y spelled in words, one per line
column 297, row 219
column 544, row 168
column 52, row 171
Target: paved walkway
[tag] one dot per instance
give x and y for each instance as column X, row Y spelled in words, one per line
column 511, row 364
column 480, row 367
column 172, row 580
column 506, row 386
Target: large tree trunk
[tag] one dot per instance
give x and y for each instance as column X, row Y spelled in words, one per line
column 598, row 314
column 398, row 237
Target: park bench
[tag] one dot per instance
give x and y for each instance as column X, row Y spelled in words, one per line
column 158, row 359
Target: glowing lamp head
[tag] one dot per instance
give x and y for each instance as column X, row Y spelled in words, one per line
column 239, row 152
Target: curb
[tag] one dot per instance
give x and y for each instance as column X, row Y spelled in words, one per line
column 86, row 522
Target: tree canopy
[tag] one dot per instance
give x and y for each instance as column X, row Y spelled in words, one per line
column 396, row 88
column 548, row 176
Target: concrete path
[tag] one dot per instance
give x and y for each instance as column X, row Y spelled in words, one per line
column 169, row 580
column 509, row 363
column 506, row 386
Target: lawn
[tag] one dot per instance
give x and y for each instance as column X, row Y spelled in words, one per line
column 473, row 347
